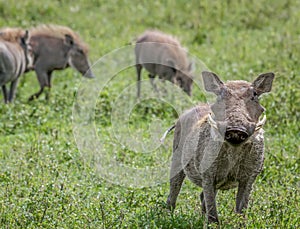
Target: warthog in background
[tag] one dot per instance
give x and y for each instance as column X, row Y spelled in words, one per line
column 221, row 146
column 15, row 57
column 56, row 48
column 162, row 55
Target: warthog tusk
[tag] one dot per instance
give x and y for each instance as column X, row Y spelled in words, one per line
column 260, row 123
column 166, row 133
column 212, row 122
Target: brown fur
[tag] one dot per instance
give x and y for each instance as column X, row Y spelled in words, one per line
column 12, row 34
column 237, row 84
column 201, row 122
column 58, row 31
column 178, row 51
column 159, row 37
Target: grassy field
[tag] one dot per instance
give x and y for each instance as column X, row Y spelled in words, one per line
column 47, row 181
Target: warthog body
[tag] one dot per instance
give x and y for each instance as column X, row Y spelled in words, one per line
column 221, row 146
column 162, row 55
column 14, row 59
column 56, row 48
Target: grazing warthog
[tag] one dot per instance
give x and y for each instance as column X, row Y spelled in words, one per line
column 162, row 55
column 221, row 146
column 56, row 48
column 15, row 57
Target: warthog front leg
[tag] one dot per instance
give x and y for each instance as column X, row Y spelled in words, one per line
column 44, row 80
column 138, row 72
column 4, row 94
column 242, row 197
column 209, row 193
column 153, row 84
column 175, row 185
column 12, row 91
column 203, row 202
column 36, row 95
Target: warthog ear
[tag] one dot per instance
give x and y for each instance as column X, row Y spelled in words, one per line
column 263, row 83
column 191, row 67
column 25, row 38
column 69, row 39
column 212, row 82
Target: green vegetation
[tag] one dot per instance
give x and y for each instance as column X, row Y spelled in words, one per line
column 44, row 180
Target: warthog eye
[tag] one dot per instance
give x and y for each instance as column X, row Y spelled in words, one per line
column 80, row 51
column 254, row 97
column 179, row 81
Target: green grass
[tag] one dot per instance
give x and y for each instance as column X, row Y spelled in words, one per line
column 46, row 182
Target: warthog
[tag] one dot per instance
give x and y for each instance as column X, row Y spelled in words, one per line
column 15, row 57
column 56, row 48
column 221, row 146
column 162, row 55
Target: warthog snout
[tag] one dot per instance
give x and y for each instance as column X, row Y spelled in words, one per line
column 89, row 74
column 235, row 135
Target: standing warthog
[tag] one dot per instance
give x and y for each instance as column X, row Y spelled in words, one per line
column 221, row 146
column 15, row 57
column 56, row 48
column 162, row 55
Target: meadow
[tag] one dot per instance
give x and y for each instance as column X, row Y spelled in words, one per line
column 50, row 179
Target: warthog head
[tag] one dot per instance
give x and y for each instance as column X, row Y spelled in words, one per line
column 236, row 113
column 78, row 58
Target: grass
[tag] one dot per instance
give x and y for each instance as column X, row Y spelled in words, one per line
column 47, row 182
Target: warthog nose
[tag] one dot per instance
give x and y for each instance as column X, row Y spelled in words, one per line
column 235, row 136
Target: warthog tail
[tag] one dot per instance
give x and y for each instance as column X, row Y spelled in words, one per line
column 166, row 133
